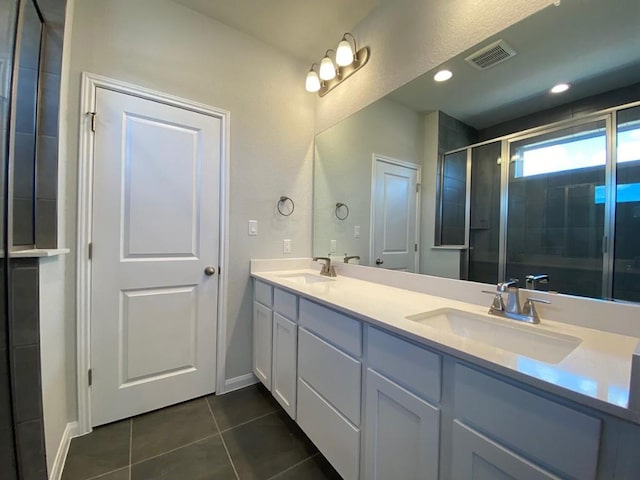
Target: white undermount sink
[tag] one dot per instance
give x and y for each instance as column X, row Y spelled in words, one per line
column 527, row 340
column 305, row 278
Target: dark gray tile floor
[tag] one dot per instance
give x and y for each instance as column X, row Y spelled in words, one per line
column 242, row 435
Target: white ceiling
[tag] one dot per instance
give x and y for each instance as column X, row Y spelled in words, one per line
column 593, row 44
column 302, row 28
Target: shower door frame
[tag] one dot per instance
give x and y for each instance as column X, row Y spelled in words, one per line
column 609, row 116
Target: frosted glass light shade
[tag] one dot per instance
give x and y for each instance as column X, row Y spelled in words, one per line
column 313, row 82
column 344, row 54
column 327, row 69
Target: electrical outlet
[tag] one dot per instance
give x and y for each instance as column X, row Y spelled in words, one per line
column 286, row 246
column 253, row 227
column 356, row 231
column 334, row 246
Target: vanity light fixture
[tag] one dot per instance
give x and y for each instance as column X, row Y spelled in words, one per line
column 443, row 76
column 561, row 87
column 348, row 60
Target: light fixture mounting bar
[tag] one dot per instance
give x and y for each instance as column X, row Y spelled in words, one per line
column 361, row 58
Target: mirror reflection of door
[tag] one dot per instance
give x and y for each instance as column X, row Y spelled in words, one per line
column 394, row 216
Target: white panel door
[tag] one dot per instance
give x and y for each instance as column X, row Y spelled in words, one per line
column 394, row 216
column 155, row 230
column 401, row 434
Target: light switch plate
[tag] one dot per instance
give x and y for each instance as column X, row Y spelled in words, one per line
column 356, row 231
column 286, row 246
column 334, row 246
column 253, row 227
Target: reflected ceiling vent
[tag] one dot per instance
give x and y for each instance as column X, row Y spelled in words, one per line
column 491, row 55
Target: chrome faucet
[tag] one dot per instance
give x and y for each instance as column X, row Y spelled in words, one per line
column 531, row 280
column 327, row 269
column 350, row 257
column 526, row 313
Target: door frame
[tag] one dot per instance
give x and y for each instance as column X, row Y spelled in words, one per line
column 401, row 163
column 89, row 85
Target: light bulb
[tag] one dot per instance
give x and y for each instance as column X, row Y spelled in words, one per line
column 442, row 76
column 327, row 69
column 344, row 54
column 561, row 87
column 313, row 82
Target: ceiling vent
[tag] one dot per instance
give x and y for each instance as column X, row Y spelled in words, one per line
column 491, row 55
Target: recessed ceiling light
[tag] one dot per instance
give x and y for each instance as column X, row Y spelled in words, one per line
column 442, row 76
column 561, row 87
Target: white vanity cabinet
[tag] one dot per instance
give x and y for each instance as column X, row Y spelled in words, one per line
column 329, row 385
column 275, row 343
column 402, row 420
column 379, row 405
column 503, row 431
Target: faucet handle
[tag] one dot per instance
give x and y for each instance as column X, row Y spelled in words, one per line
column 529, row 307
column 498, row 302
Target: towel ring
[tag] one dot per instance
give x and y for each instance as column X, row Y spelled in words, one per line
column 283, row 200
column 337, row 212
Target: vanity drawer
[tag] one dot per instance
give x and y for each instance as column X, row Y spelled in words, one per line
column 333, row 374
column 285, row 303
column 335, row 437
column 263, row 293
column 413, row 367
column 546, row 432
column 336, row 328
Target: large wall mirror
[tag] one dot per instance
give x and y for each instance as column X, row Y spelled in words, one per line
column 489, row 175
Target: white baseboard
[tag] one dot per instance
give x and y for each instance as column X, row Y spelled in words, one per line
column 70, row 431
column 236, row 383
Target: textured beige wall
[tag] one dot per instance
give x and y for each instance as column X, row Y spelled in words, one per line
column 344, row 156
column 410, row 37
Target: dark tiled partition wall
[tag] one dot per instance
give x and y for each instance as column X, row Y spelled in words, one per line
column 35, row 182
column 7, row 450
column 8, row 468
column 25, row 367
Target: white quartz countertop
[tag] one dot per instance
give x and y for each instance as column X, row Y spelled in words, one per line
column 597, row 373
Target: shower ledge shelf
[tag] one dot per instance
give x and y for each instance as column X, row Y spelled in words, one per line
column 39, row 252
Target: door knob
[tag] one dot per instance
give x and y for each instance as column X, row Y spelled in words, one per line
column 379, row 261
column 209, row 270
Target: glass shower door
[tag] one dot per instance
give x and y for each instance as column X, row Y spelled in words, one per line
column 556, row 208
column 626, row 265
column 484, row 224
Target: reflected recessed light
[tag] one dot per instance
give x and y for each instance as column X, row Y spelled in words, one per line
column 442, row 76
column 561, row 87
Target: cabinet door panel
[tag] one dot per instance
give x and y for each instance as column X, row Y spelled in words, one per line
column 333, row 374
column 285, row 351
column 402, row 433
column 333, row 434
column 263, row 293
column 262, row 345
column 518, row 419
column 475, row 457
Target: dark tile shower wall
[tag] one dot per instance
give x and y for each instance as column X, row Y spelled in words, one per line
column 25, row 367
column 451, row 179
column 36, row 140
column 21, row 415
